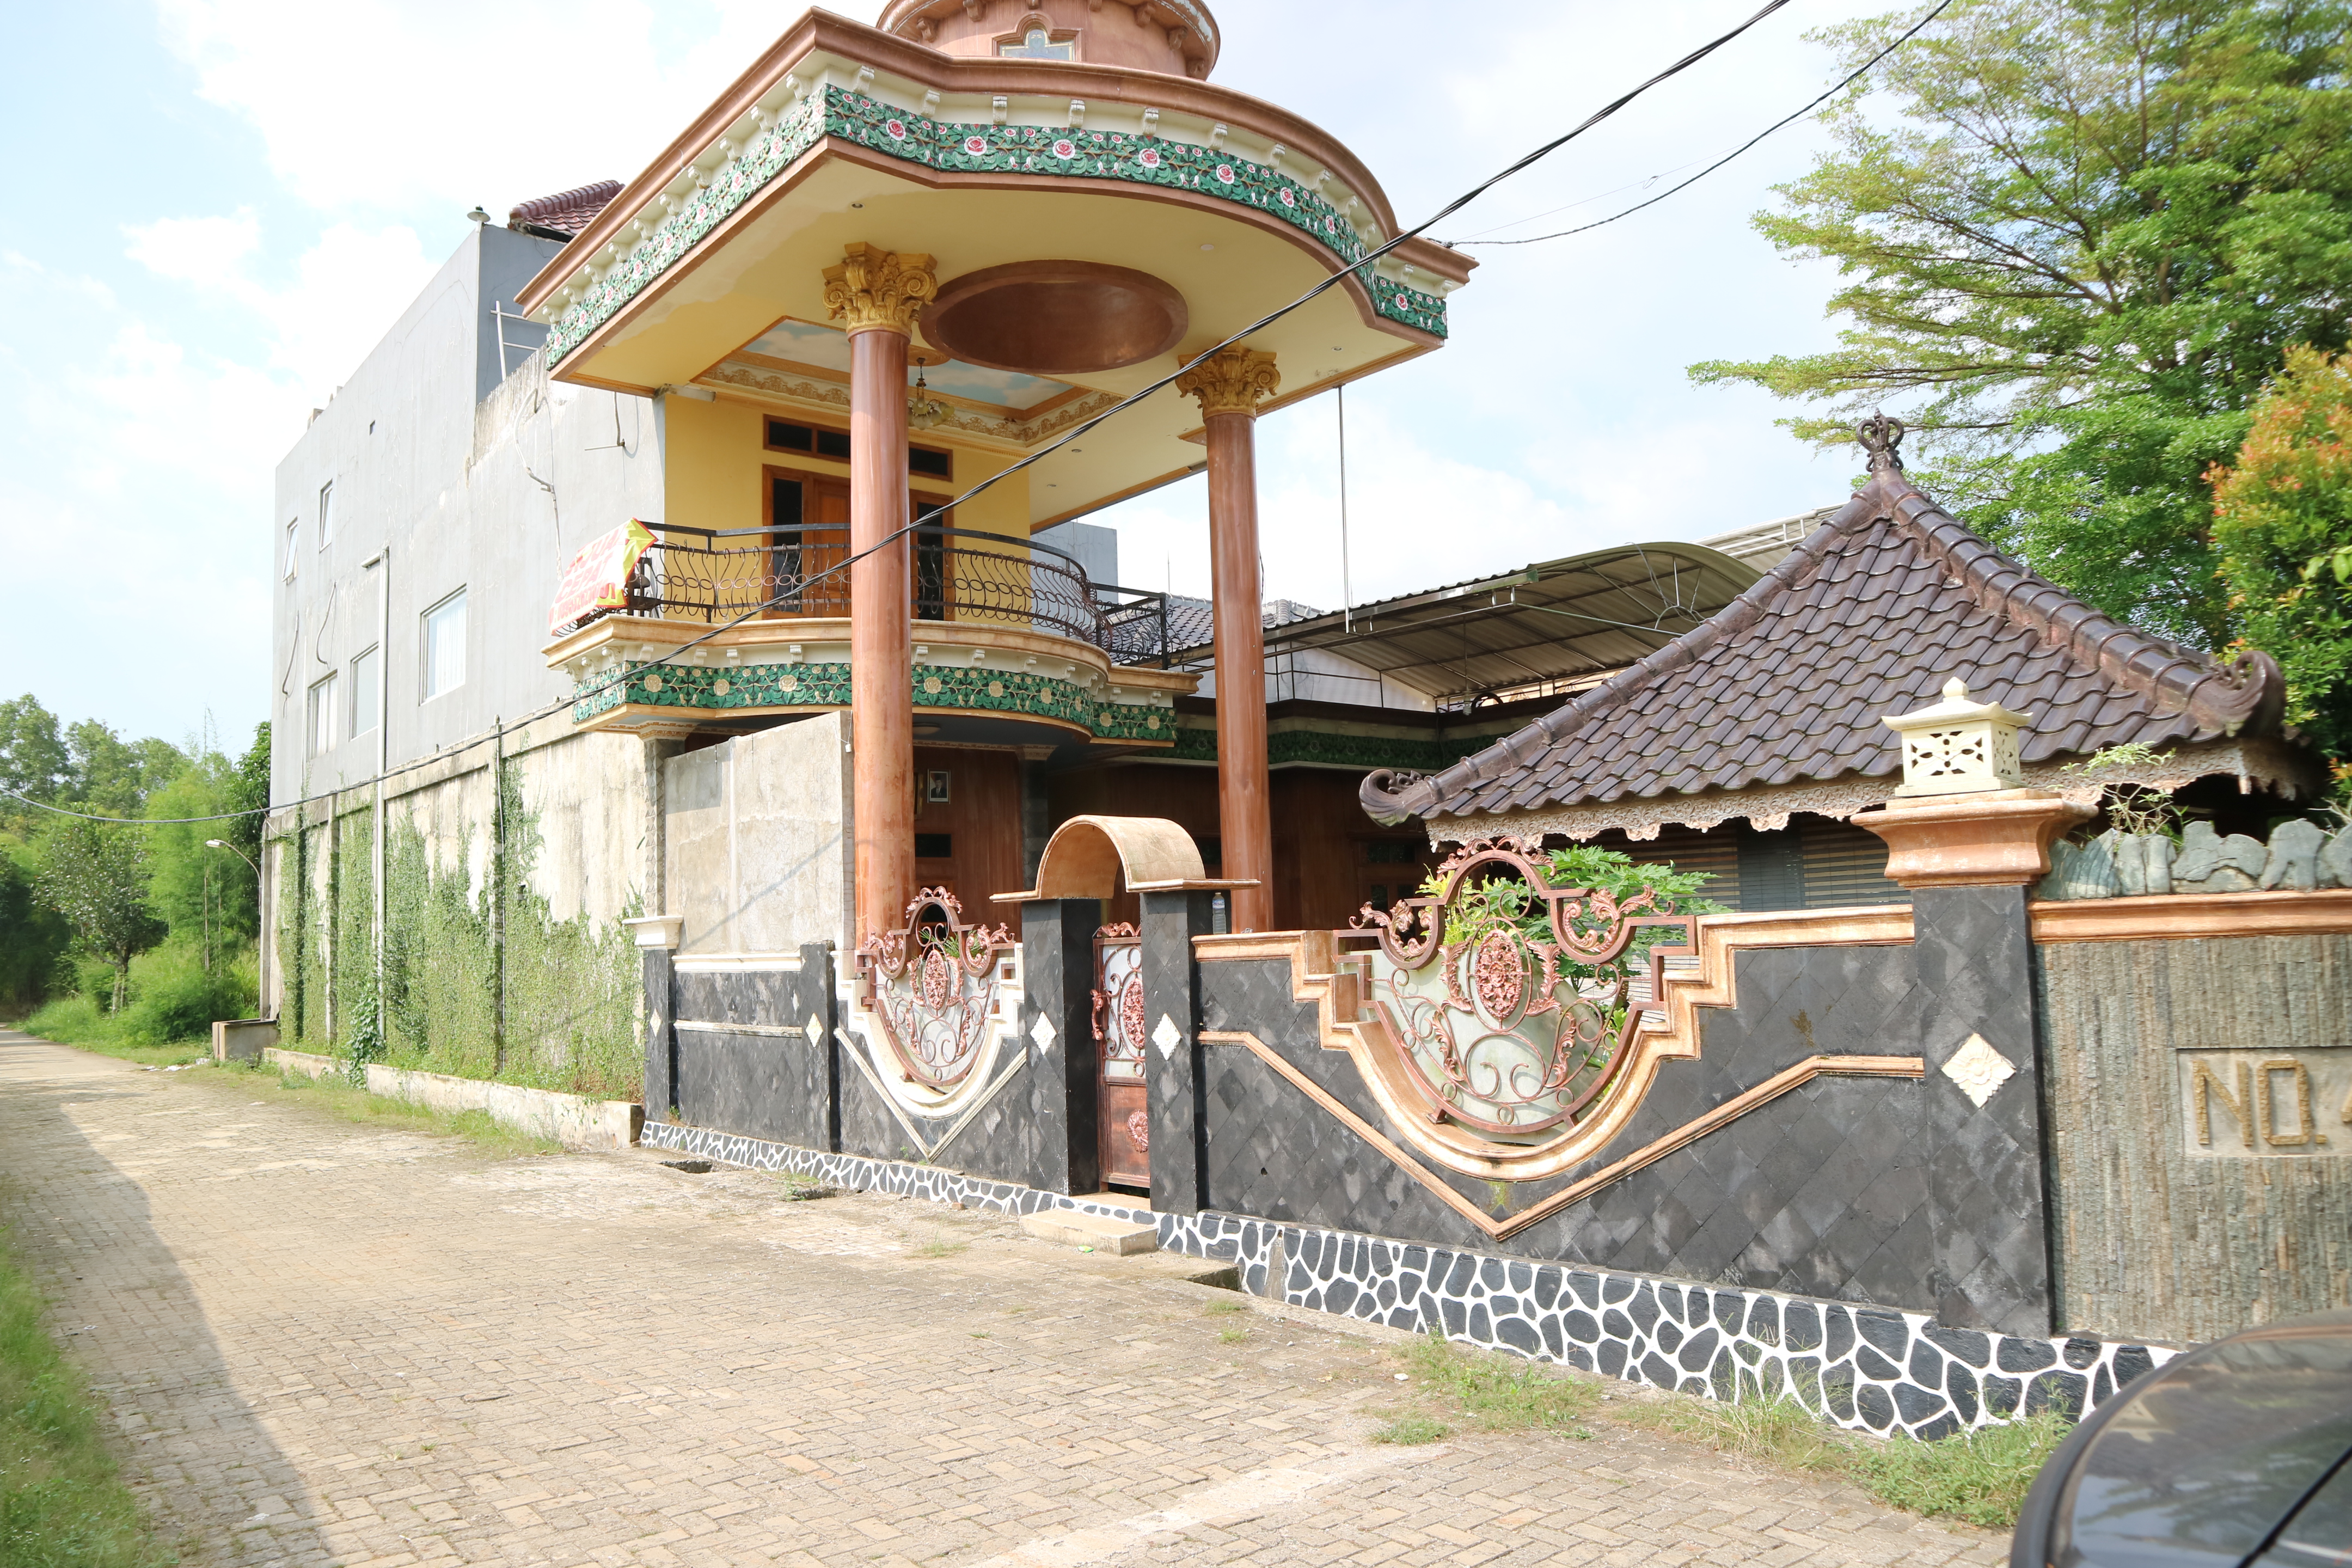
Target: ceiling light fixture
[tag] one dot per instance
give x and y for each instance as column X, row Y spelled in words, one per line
column 924, row 412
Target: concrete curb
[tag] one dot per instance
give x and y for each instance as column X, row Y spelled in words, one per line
column 573, row 1120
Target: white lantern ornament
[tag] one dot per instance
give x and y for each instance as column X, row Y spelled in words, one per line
column 1958, row 747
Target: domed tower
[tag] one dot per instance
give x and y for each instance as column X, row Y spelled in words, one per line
column 892, row 264
column 1174, row 38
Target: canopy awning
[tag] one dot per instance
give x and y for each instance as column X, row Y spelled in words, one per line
column 1556, row 620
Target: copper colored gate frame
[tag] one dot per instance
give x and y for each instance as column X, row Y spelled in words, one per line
column 1124, row 1118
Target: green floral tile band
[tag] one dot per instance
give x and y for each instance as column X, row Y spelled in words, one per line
column 827, row 686
column 981, row 149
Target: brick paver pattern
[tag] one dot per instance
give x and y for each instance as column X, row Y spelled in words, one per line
column 328, row 1343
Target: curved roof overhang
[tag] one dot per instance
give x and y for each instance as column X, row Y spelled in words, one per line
column 840, row 132
column 1554, row 621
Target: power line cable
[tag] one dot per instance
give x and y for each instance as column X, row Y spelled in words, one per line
column 1456, row 204
column 1728, row 157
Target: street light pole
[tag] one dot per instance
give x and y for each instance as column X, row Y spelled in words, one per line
column 224, row 843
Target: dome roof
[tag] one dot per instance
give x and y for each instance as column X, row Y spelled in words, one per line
column 1174, row 37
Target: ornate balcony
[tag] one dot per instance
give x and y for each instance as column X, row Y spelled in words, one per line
column 1004, row 626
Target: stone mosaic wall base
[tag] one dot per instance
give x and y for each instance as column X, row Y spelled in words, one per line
column 1869, row 1368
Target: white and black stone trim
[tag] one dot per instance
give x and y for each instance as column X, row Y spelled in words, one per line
column 1866, row 1367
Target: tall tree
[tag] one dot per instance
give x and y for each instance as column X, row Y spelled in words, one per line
column 2075, row 252
column 96, row 876
column 31, row 754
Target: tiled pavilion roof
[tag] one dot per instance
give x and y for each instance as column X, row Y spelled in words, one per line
column 563, row 214
column 1870, row 616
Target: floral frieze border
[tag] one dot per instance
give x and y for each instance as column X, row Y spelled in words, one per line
column 706, row 689
column 979, row 149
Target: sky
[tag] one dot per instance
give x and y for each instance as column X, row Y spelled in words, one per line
column 220, row 206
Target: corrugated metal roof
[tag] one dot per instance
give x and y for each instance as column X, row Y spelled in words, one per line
column 1552, row 621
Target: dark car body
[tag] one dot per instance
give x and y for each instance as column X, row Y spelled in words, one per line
column 2238, row 1454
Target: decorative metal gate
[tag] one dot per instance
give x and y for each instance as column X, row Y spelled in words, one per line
column 1126, row 1115
column 933, row 986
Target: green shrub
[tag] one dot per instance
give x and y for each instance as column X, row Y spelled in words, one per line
column 174, row 998
column 72, row 1021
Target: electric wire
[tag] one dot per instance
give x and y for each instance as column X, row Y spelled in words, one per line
column 501, row 727
column 1728, row 157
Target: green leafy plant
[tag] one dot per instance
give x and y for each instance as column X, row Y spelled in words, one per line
column 2134, row 808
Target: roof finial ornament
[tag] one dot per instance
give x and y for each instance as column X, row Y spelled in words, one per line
column 1880, row 436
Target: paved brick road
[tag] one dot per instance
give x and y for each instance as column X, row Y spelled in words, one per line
column 331, row 1344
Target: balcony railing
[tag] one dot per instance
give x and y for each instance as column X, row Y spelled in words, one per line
column 960, row 574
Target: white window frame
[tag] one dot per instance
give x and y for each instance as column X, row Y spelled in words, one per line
column 326, row 514
column 322, row 737
column 426, row 690
column 366, row 688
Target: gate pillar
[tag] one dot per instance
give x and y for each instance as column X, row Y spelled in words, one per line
column 1171, row 1000
column 1058, row 962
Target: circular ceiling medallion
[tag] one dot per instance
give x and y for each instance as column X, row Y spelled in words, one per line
column 1055, row 318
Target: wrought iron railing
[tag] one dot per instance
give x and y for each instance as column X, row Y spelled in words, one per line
column 960, row 574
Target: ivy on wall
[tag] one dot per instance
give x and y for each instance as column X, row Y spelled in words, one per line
column 483, row 984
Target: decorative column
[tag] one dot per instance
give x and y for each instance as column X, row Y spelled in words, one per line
column 1968, row 840
column 880, row 293
column 1230, row 387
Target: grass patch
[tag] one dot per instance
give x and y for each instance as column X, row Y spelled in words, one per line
column 1222, row 1308
column 337, row 1097
column 798, row 1187
column 1503, row 1392
column 76, row 1021
column 939, row 1246
column 1407, row 1430
column 62, row 1504
column 1232, row 1336
column 1980, row 1476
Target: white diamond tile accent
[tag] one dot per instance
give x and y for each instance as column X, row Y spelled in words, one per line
column 1979, row 1070
column 1042, row 1031
column 1167, row 1037
column 813, row 1029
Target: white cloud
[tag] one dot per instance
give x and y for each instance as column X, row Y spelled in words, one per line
column 368, row 106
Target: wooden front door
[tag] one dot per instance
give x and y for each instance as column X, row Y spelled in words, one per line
column 808, row 535
column 1120, row 1043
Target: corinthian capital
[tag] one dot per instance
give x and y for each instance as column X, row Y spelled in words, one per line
column 880, row 290
column 1232, row 383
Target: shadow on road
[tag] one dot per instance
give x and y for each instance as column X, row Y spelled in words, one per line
column 192, row 1445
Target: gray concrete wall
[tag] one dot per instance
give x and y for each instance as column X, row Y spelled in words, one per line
column 2160, row 1233
column 758, row 848
column 494, row 505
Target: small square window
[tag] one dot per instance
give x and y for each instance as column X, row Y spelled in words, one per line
column 445, row 646
column 293, row 544
column 366, row 688
column 934, row 846
column 322, row 706
column 326, row 514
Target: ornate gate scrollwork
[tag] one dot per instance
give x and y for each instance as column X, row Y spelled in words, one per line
column 934, row 988
column 1120, row 1036
column 1509, row 1002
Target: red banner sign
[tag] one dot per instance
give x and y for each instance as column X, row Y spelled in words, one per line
column 598, row 577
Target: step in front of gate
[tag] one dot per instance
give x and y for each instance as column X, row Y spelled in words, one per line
column 1116, row 1235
